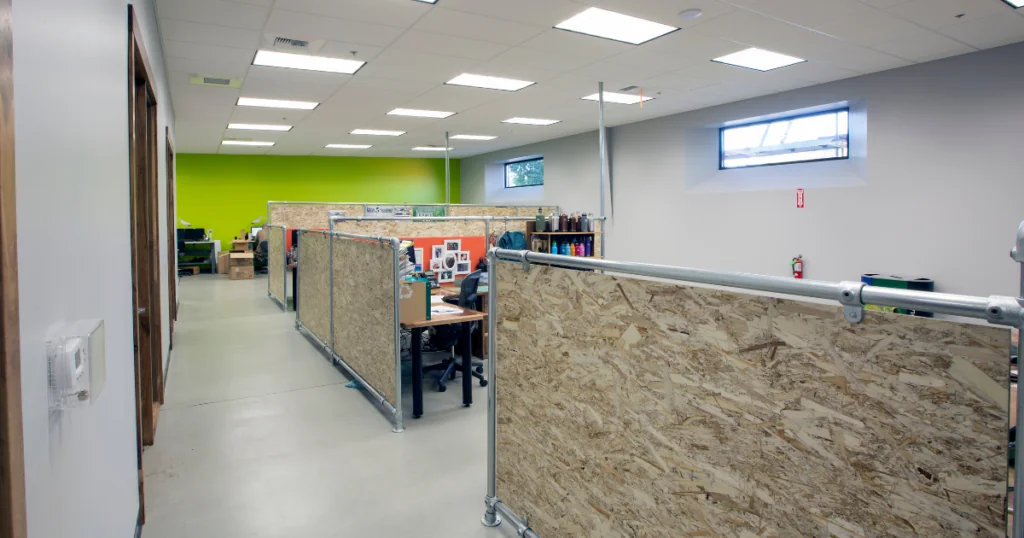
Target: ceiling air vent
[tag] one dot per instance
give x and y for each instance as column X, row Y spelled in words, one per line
column 290, row 44
column 220, row 82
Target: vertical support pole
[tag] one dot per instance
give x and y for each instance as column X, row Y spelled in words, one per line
column 1018, row 470
column 447, row 179
column 399, row 426
column 330, row 278
column 284, row 277
column 491, row 517
column 603, row 141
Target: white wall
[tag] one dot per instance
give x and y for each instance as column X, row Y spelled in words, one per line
column 936, row 191
column 71, row 121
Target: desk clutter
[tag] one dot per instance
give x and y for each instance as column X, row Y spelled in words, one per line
column 240, row 260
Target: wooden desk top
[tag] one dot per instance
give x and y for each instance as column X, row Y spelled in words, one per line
column 447, row 319
column 453, row 291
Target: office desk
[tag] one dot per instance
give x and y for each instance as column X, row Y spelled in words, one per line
column 480, row 340
column 466, row 318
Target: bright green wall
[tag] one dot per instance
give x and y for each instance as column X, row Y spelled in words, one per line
column 226, row 193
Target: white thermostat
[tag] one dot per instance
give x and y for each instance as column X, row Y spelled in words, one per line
column 76, row 361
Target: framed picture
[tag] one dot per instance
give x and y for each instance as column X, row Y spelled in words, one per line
column 419, row 257
column 463, row 268
column 435, row 265
column 437, row 252
column 449, row 261
column 446, row 276
column 453, row 245
column 463, row 256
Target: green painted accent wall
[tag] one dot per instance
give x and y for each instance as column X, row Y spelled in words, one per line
column 226, row 193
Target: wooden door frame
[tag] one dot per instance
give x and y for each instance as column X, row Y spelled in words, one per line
column 172, row 240
column 144, row 220
column 13, row 518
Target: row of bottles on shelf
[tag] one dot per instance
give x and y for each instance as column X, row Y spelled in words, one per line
column 575, row 222
column 582, row 246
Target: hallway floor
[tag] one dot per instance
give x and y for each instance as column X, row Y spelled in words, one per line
column 260, row 438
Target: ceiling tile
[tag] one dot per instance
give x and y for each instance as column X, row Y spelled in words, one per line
column 219, row 12
column 870, row 28
column 584, row 46
column 251, row 114
column 885, row 4
column 400, row 13
column 941, row 13
column 451, row 98
column 293, row 84
column 208, row 34
column 261, row 3
column 461, row 47
column 613, row 75
column 208, row 67
column 667, row 11
column 540, row 12
column 922, row 46
column 812, row 13
column 680, row 80
column 687, row 43
column 313, row 27
column 187, row 94
column 518, row 59
column 472, row 26
column 410, row 65
column 194, row 51
column 988, row 32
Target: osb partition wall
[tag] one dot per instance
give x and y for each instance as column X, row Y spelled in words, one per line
column 364, row 311
column 275, row 262
column 309, row 216
column 408, row 228
column 315, row 284
column 635, row 408
column 481, row 211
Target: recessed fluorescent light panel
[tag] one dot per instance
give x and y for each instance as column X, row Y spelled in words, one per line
column 473, row 137
column 420, row 113
column 619, row 98
column 245, row 143
column 377, row 132
column 428, row 1
column 276, row 103
column 258, row 127
column 530, row 121
column 349, row 146
column 1015, row 3
column 271, row 58
column 490, row 83
column 616, row 26
column 431, row 148
column 758, row 59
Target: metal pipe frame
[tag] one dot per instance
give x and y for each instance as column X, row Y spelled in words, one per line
column 996, row 310
column 1017, row 254
column 603, row 141
column 394, row 410
column 365, row 204
column 448, row 177
column 281, row 301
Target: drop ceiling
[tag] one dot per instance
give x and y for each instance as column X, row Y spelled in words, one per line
column 412, row 48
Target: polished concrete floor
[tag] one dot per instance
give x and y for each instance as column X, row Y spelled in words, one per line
column 260, row 438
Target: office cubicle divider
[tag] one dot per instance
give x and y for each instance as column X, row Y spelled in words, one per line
column 277, row 265
column 357, row 297
column 313, row 215
column 626, row 406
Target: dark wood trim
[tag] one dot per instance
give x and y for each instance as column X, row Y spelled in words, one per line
column 172, row 244
column 12, row 440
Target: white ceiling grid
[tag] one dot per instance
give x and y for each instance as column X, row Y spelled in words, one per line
column 413, row 48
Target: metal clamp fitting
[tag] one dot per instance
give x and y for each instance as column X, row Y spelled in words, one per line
column 1005, row 311
column 849, row 297
column 526, row 263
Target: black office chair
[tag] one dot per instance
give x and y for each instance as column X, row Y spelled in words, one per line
column 260, row 258
column 447, row 336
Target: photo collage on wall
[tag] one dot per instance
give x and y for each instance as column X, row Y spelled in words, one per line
column 448, row 260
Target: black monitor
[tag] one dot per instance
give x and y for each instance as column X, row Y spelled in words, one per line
column 191, row 234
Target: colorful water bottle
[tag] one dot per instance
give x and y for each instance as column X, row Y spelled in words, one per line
column 554, row 247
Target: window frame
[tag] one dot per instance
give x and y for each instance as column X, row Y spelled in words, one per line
column 777, row 118
column 504, row 171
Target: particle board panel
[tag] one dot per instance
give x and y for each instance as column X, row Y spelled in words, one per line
column 629, row 407
column 445, row 228
column 481, row 211
column 309, row 216
column 315, row 284
column 275, row 262
column 364, row 311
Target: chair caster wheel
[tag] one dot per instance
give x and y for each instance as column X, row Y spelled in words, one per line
column 483, row 382
column 479, row 369
column 441, row 388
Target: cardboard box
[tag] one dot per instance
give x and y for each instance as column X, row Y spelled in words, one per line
column 414, row 302
column 195, row 270
column 241, row 259
column 240, row 245
column 223, row 263
column 242, row 273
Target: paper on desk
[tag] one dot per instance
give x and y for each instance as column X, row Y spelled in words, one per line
column 436, row 299
column 445, row 310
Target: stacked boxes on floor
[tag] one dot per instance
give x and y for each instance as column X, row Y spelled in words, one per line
column 241, row 261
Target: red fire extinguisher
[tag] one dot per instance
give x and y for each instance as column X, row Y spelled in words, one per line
column 798, row 266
